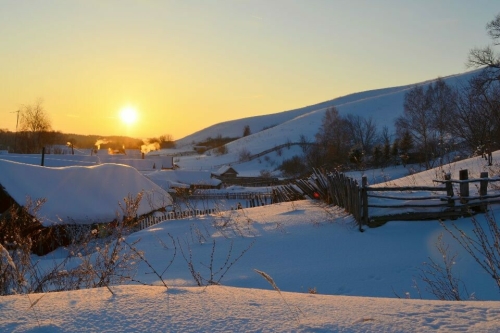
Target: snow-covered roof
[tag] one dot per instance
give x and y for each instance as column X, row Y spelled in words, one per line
column 223, row 169
column 80, row 194
column 62, row 160
column 147, row 164
column 189, row 177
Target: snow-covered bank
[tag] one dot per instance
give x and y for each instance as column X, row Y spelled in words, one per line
column 226, row 309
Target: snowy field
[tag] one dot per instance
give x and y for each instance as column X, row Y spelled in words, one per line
column 323, row 275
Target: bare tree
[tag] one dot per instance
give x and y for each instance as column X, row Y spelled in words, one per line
column 332, row 140
column 440, row 278
column 428, row 114
column 385, row 138
column 486, row 56
column 363, row 131
column 416, row 120
column 441, row 100
column 476, row 115
column 482, row 243
column 166, row 141
column 34, row 124
column 34, row 118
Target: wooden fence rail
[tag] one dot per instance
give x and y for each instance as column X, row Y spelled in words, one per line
column 424, row 203
column 149, row 221
column 237, row 196
column 252, row 199
column 371, row 206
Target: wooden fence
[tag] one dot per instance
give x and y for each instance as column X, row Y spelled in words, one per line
column 369, row 205
column 250, row 200
column 149, row 221
column 449, row 201
column 373, row 206
column 334, row 188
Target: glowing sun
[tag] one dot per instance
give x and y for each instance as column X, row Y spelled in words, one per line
column 128, row 115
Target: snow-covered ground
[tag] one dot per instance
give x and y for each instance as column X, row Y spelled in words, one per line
column 304, row 248
column 331, row 278
column 303, row 267
column 228, row 309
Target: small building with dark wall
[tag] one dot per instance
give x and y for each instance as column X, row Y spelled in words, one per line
column 225, row 171
column 186, row 179
column 229, row 176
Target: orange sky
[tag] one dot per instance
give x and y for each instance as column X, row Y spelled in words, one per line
column 186, row 65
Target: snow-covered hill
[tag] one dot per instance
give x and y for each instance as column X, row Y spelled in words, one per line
column 383, row 105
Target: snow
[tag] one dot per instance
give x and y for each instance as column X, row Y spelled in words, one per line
column 301, row 246
column 182, row 178
column 326, row 275
column 80, row 194
column 227, row 309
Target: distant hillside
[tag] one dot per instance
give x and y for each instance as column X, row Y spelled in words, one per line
column 383, row 105
column 289, row 127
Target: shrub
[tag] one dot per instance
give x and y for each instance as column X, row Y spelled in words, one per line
column 221, row 150
column 244, row 155
column 265, row 173
column 483, row 244
column 91, row 262
column 293, row 168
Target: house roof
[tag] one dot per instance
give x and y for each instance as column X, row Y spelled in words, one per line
column 79, row 194
column 189, row 177
column 222, row 170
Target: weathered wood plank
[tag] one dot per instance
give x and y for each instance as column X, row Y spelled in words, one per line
column 406, row 188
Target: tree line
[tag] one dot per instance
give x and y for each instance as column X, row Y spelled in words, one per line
column 35, row 132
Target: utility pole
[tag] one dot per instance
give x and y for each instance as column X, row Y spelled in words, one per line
column 15, row 135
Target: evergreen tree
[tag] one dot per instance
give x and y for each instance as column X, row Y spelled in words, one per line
column 395, row 151
column 377, row 156
column 405, row 146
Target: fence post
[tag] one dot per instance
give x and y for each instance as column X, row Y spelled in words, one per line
column 449, row 189
column 43, row 157
column 483, row 191
column 464, row 187
column 364, row 203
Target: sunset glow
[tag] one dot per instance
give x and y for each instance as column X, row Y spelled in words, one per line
column 128, row 115
column 187, row 65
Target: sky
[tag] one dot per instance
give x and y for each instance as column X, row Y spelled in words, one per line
column 186, row 65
